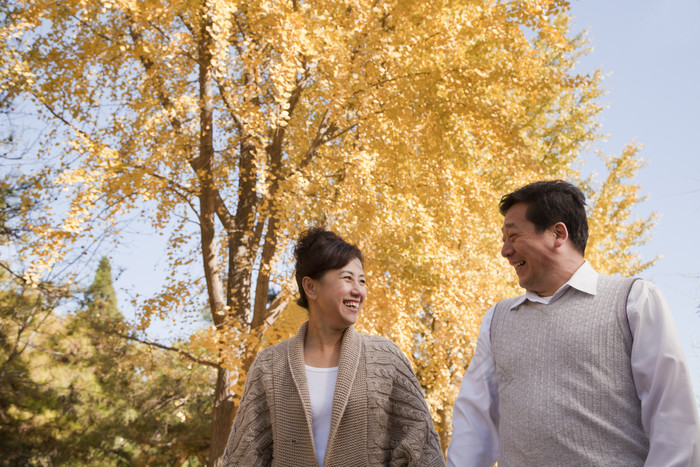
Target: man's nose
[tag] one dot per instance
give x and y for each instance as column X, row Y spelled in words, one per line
column 506, row 250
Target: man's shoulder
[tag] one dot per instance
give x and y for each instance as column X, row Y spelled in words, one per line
column 615, row 282
column 616, row 278
column 508, row 303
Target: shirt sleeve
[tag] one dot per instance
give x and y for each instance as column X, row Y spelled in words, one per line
column 475, row 414
column 662, row 380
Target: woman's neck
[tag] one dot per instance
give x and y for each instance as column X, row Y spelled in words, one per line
column 322, row 346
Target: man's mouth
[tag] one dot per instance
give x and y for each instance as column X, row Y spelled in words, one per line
column 518, row 265
column 351, row 304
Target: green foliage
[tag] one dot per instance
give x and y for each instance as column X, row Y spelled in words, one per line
column 101, row 298
column 9, row 209
column 80, row 393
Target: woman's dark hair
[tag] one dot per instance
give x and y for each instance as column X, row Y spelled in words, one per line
column 317, row 251
column 549, row 202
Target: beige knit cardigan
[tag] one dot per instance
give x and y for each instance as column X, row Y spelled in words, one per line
column 379, row 415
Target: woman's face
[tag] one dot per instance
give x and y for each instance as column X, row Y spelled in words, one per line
column 338, row 296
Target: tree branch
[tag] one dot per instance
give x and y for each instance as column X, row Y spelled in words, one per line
column 178, row 189
column 161, row 346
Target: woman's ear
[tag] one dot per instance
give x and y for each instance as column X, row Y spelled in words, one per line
column 309, row 287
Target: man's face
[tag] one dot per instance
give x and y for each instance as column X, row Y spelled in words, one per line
column 531, row 253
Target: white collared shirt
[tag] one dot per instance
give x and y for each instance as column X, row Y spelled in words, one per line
column 661, row 377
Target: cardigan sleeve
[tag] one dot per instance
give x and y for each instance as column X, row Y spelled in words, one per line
column 419, row 444
column 250, row 442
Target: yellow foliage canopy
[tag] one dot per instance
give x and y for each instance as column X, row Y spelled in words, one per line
column 397, row 124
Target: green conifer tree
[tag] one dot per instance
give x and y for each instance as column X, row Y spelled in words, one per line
column 101, row 298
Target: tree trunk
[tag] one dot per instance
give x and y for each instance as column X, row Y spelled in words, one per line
column 222, row 420
column 223, row 412
column 443, row 430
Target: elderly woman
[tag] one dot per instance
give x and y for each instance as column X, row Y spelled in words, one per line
column 331, row 396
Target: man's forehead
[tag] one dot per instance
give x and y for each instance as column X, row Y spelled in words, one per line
column 516, row 214
column 516, row 220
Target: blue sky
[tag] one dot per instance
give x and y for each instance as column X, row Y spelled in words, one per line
column 650, row 53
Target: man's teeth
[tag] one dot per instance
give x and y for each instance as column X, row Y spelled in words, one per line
column 517, row 265
column 351, row 304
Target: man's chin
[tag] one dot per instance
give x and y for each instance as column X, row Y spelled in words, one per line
column 523, row 283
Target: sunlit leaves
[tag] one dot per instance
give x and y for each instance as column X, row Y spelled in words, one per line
column 239, row 124
column 615, row 233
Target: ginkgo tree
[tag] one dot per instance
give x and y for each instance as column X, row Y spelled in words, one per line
column 233, row 126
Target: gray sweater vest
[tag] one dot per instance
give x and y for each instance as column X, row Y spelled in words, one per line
column 566, row 395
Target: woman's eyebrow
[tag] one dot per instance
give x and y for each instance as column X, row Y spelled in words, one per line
column 345, row 271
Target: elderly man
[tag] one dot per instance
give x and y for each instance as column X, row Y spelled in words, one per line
column 584, row 368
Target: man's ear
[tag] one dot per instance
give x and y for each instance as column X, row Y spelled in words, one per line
column 561, row 234
column 309, row 287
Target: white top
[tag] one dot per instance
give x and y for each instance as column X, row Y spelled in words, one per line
column 321, row 382
column 661, row 377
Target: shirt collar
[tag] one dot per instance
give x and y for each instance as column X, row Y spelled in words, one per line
column 584, row 279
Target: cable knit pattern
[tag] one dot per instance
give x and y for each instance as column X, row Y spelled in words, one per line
column 565, row 386
column 379, row 415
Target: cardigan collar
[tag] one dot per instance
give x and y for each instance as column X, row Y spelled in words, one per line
column 350, row 350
